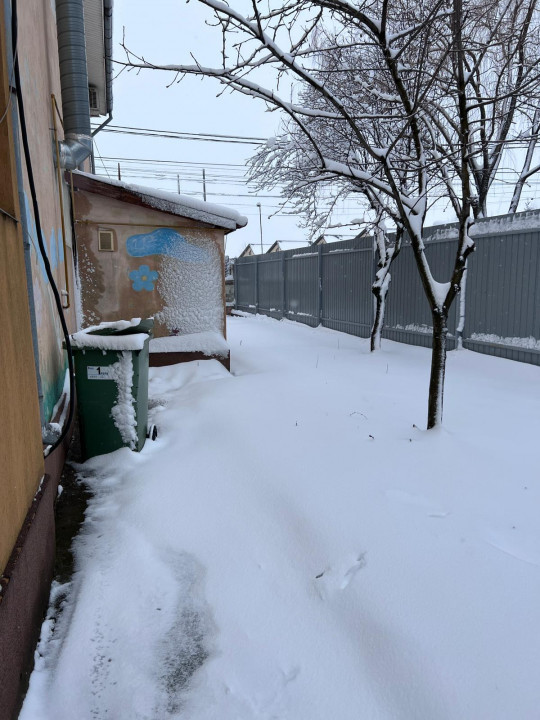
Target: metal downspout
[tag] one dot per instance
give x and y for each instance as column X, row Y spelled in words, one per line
column 108, row 47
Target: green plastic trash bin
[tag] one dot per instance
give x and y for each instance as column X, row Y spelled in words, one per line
column 111, row 377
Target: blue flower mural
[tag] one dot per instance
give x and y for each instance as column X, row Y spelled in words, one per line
column 165, row 241
column 143, row 278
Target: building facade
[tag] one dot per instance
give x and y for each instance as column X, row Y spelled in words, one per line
column 44, row 130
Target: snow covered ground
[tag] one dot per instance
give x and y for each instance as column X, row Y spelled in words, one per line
column 293, row 547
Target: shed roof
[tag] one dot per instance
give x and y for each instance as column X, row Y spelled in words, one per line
column 247, row 251
column 168, row 202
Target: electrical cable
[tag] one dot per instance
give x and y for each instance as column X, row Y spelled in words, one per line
column 176, row 162
column 58, row 302
column 99, row 156
column 178, row 135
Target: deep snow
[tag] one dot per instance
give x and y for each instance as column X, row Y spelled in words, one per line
column 293, row 547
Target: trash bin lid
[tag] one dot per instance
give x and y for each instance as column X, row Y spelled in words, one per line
column 108, row 335
column 123, row 327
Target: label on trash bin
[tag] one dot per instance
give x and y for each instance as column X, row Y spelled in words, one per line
column 100, row 372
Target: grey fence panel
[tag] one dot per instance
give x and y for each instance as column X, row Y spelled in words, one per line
column 503, row 296
column 271, row 301
column 331, row 285
column 246, row 284
column 347, row 276
column 302, row 286
column 408, row 315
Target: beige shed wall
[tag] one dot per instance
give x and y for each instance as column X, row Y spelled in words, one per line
column 106, row 290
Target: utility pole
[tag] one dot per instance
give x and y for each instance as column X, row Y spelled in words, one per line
column 260, row 225
column 204, row 184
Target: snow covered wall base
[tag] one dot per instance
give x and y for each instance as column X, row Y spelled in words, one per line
column 25, row 585
column 25, row 592
column 186, row 348
column 162, row 359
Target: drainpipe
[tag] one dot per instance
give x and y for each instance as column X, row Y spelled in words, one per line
column 108, row 47
column 77, row 143
column 108, row 38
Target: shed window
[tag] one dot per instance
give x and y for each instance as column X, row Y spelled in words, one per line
column 106, row 241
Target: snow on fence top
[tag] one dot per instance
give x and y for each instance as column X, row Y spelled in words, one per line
column 183, row 205
column 85, row 338
column 497, row 225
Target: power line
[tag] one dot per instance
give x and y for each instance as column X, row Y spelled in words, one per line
column 176, row 135
column 174, row 162
column 99, row 156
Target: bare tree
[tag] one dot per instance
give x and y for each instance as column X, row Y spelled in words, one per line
column 528, row 169
column 500, row 58
column 412, row 78
column 288, row 163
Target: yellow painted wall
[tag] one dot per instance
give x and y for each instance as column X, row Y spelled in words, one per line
column 21, row 457
column 40, row 78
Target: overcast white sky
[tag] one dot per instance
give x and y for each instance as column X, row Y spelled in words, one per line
column 167, row 31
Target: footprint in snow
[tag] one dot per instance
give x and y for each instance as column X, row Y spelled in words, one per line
column 339, row 577
column 415, row 500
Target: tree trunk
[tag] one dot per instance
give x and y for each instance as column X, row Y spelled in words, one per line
column 380, row 290
column 462, row 308
column 438, row 367
column 387, row 255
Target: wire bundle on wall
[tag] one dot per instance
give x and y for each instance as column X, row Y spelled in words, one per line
column 43, row 251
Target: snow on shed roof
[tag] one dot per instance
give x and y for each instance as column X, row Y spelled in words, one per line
column 161, row 200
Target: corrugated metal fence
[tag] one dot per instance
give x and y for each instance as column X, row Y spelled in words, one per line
column 330, row 285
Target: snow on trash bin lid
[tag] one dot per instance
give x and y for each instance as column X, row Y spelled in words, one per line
column 88, row 339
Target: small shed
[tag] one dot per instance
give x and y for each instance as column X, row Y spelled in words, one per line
column 148, row 253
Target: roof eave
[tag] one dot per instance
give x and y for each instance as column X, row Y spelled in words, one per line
column 94, row 185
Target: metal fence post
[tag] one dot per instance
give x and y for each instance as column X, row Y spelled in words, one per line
column 320, row 278
column 283, row 287
column 256, row 284
column 375, row 264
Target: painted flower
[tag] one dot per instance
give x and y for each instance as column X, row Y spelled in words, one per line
column 143, row 278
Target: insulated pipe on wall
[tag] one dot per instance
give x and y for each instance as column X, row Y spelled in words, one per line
column 77, row 143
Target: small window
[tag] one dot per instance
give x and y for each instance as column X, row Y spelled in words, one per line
column 93, row 97
column 106, row 241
